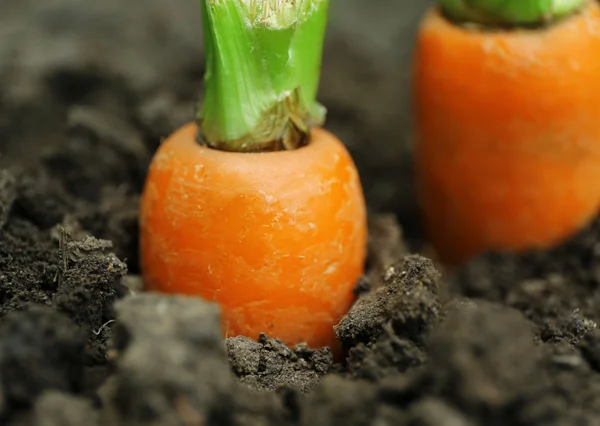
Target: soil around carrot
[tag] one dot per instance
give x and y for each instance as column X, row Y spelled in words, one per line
column 506, row 340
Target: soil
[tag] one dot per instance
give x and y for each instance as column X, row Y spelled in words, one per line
column 88, row 91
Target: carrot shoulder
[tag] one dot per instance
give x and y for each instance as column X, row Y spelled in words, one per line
column 254, row 205
column 507, row 132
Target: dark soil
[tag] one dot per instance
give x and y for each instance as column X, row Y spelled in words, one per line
column 88, row 89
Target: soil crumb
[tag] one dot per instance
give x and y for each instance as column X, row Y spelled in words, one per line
column 269, row 364
column 384, row 330
column 87, row 302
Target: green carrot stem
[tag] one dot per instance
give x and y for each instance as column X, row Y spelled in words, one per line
column 510, row 12
column 263, row 65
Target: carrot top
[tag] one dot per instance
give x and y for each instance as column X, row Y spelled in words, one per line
column 263, row 63
column 509, row 12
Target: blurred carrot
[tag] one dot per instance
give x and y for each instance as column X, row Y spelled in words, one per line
column 507, row 123
column 266, row 215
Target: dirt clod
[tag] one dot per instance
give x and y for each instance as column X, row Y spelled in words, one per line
column 40, row 350
column 339, row 402
column 484, row 360
column 385, row 328
column 407, row 300
column 433, row 412
column 269, row 364
column 88, row 303
column 59, row 409
column 196, row 388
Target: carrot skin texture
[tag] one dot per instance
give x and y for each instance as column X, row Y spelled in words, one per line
column 507, row 133
column 277, row 239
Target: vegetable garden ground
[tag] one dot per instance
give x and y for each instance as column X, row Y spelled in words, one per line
column 87, row 92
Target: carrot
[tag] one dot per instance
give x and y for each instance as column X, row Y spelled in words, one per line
column 507, row 124
column 266, row 215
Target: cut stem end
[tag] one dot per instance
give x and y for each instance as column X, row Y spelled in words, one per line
column 263, row 62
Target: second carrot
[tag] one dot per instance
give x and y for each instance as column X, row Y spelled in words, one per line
column 507, row 144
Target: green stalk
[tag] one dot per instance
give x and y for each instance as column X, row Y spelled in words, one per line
column 263, row 65
column 510, row 12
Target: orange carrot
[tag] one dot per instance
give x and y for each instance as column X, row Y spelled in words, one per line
column 507, row 150
column 272, row 228
column 277, row 239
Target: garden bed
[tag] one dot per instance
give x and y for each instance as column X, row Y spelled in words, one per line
column 87, row 94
